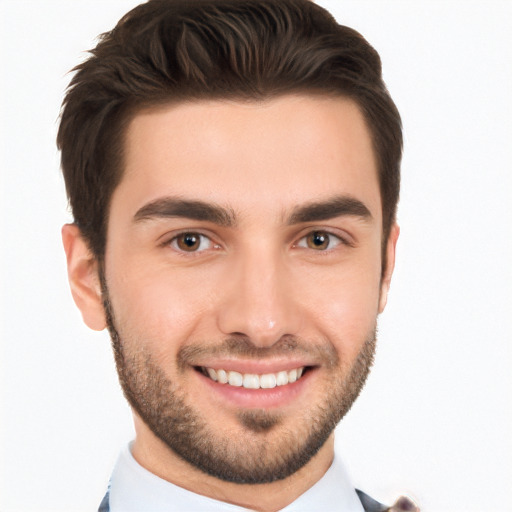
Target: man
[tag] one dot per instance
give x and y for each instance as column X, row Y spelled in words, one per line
column 233, row 172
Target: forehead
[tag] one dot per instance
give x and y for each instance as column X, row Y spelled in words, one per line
column 250, row 156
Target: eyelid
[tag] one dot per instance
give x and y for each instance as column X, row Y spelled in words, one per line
column 169, row 238
column 343, row 237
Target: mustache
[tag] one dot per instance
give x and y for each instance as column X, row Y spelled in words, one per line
column 242, row 347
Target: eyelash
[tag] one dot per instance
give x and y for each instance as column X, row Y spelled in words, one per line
column 302, row 242
column 173, row 242
column 331, row 237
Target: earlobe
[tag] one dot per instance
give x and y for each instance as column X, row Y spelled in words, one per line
column 83, row 277
column 390, row 265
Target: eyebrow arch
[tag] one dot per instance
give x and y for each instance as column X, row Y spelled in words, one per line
column 337, row 206
column 168, row 207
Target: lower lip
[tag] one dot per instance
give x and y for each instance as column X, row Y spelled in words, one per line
column 279, row 396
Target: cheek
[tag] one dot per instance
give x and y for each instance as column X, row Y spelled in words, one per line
column 158, row 307
column 343, row 305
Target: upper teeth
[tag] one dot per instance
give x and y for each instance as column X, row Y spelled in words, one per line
column 252, row 380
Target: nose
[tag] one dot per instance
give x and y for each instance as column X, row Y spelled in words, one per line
column 259, row 302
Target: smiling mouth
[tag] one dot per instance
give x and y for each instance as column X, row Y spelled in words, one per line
column 253, row 380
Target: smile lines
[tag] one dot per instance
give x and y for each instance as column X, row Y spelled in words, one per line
column 252, row 380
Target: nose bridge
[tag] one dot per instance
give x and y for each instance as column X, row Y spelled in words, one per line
column 259, row 302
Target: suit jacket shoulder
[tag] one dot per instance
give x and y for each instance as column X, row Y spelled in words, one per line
column 369, row 504
column 104, row 505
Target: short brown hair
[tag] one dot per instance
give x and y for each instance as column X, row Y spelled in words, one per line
column 175, row 50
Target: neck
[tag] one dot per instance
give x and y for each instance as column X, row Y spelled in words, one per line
column 155, row 456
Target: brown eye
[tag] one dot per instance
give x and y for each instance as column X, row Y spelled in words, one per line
column 191, row 242
column 318, row 240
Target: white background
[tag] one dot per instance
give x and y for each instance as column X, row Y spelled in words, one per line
column 436, row 415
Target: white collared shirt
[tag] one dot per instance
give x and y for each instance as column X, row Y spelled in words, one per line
column 135, row 489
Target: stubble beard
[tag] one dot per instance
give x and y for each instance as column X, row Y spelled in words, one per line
column 270, row 449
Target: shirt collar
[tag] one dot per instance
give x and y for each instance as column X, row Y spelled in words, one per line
column 133, row 488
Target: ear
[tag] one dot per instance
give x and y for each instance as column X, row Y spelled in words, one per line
column 390, row 265
column 83, row 277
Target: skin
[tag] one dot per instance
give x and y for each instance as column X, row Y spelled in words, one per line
column 255, row 278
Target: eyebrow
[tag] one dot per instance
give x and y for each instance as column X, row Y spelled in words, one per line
column 169, row 207
column 336, row 206
column 172, row 207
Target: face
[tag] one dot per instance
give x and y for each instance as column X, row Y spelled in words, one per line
column 242, row 278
